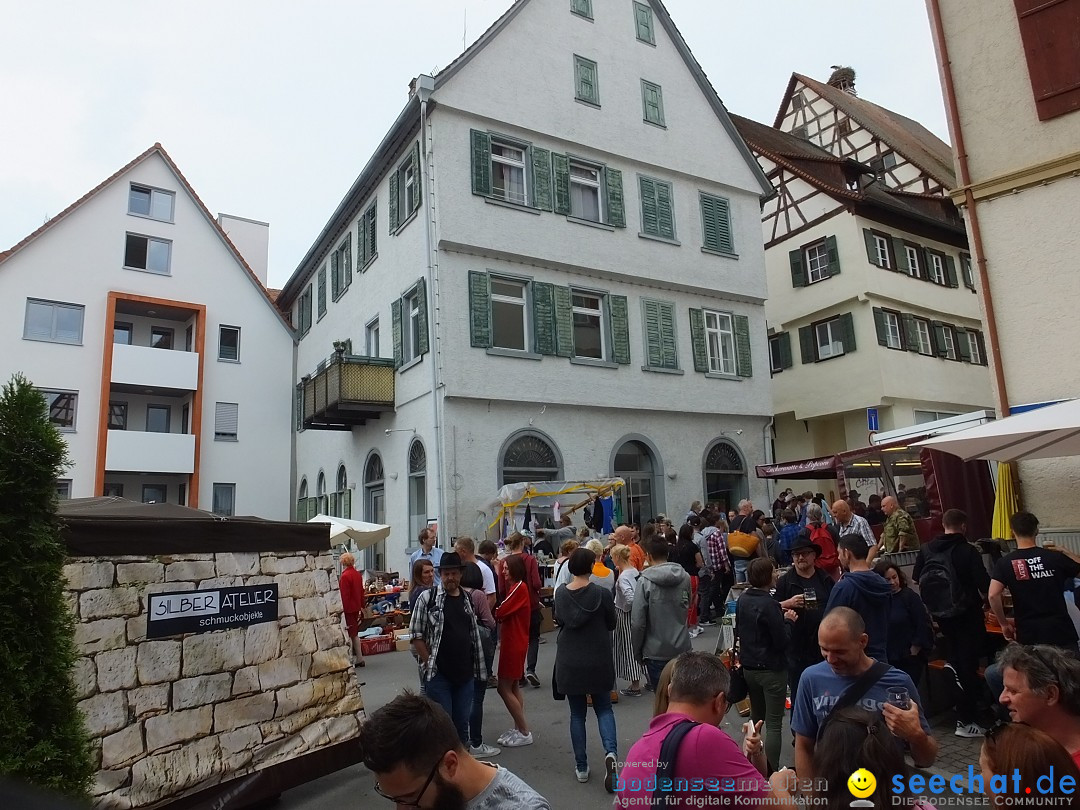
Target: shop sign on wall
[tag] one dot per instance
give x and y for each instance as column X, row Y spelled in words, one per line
column 169, row 614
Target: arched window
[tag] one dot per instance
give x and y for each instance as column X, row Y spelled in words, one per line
column 341, row 499
column 302, row 494
column 529, row 457
column 320, row 494
column 342, row 479
column 374, row 509
column 724, row 476
column 417, row 491
column 636, row 501
column 302, row 505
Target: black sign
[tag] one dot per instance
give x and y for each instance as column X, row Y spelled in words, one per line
column 170, row 614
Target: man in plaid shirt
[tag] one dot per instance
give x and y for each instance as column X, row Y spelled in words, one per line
column 718, row 566
column 447, row 644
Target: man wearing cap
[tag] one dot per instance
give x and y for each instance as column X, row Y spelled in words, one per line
column 447, row 643
column 802, row 580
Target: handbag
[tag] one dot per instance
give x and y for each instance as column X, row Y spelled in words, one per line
column 738, row 690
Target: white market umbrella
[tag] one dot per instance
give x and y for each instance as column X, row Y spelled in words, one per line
column 354, row 533
column 1050, row 432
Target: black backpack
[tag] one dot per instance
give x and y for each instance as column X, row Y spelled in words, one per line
column 939, row 585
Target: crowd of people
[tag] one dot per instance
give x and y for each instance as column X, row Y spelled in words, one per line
column 841, row 632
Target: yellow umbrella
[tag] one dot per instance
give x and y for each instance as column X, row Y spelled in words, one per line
column 1006, row 502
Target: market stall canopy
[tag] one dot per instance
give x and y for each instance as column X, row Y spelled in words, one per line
column 94, row 527
column 570, row 494
column 1049, row 432
column 823, row 467
column 354, row 533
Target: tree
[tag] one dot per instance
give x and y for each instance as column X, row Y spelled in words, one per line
column 42, row 737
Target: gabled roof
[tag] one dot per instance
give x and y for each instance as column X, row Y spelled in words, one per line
column 910, row 138
column 157, row 149
column 662, row 14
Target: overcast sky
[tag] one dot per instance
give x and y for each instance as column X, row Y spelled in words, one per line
column 272, row 107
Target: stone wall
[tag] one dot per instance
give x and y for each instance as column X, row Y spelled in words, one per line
column 174, row 716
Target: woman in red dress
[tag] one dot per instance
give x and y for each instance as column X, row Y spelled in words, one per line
column 513, row 615
column 351, row 585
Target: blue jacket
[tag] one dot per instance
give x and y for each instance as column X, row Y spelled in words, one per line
column 869, row 595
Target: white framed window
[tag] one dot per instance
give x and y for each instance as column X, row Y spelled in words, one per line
column 226, row 419
column 118, row 415
column 892, row 330
column 817, row 262
column 153, row 203
column 776, row 357
column 914, row 266
column 973, row 347
column 966, row 271
column 53, row 321
column 720, row 342
column 509, row 314
column 229, row 343
column 508, row 180
column 586, row 201
column 588, row 312
column 62, row 407
column 371, row 338
column 881, row 245
column 224, row 499
column 937, row 268
column 147, row 253
column 63, row 489
column 948, row 339
column 829, row 339
column 410, row 335
column 922, row 331
column 410, row 183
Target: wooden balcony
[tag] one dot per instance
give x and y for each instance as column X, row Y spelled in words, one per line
column 347, row 391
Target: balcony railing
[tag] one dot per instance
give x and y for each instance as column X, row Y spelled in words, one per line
column 146, row 367
column 136, row 451
column 347, row 391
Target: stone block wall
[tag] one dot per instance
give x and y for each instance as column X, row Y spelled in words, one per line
column 176, row 715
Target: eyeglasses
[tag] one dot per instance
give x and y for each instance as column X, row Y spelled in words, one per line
column 415, row 800
column 994, row 730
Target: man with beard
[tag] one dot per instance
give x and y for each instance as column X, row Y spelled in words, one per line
column 412, row 747
column 804, row 588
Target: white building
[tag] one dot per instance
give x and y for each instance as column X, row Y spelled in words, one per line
column 872, row 300
column 1012, row 91
column 550, row 268
column 161, row 355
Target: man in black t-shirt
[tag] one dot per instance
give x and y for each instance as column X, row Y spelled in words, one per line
column 1037, row 578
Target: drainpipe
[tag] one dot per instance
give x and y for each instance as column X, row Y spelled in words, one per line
column 425, row 87
column 766, row 435
column 945, row 66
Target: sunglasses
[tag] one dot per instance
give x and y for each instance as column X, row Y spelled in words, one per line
column 415, row 800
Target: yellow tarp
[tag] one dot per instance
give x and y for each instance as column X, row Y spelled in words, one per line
column 1006, row 501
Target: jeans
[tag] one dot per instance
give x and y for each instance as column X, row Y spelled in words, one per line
column 740, row 570
column 536, row 618
column 605, row 720
column 768, row 689
column 456, row 699
column 653, row 668
column 476, row 718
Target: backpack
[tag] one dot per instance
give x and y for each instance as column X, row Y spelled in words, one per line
column 939, row 586
column 820, row 534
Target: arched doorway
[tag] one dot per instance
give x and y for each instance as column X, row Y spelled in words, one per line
column 640, row 499
column 724, row 476
column 417, row 492
column 375, row 509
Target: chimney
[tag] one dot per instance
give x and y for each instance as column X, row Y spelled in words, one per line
column 843, row 78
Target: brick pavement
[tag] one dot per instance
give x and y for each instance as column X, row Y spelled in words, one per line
column 954, row 753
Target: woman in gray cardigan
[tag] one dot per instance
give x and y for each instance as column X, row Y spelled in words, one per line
column 583, row 661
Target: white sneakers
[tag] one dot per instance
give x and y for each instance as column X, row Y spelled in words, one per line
column 609, row 775
column 515, row 739
column 484, row 750
column 582, row 776
column 696, row 631
column 969, row 730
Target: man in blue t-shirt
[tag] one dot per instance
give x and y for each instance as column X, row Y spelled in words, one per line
column 842, row 639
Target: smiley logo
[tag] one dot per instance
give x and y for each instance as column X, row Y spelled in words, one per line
column 861, row 783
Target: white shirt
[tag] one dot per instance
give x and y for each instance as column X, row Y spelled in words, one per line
column 489, row 577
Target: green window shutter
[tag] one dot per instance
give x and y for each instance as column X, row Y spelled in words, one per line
column 654, row 351
column 372, row 245
column 900, row 249
column 798, row 271
column 834, row 256
column 785, row 350
column 395, row 201
column 963, row 348
column 399, row 351
column 665, row 213
column 983, row 360
column 620, row 329
column 650, row 222
column 417, row 178
column 871, row 247
column 716, row 223
column 911, row 333
column 644, row 20
column 697, row 340
column 652, row 101
column 335, row 274
column 847, row 332
column 361, row 242
column 346, row 504
column 480, row 309
column 564, row 323
column 561, row 168
column 806, row 344
column 669, row 347
column 541, row 173
column 586, row 87
column 322, row 290
column 543, row 300
column 937, row 330
column 743, row 364
column 347, row 259
column 924, row 264
column 616, row 208
column 422, row 306
column 950, row 271
column 879, row 324
column 481, row 162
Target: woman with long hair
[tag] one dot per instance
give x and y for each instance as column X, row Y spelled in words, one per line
column 515, row 546
column 423, row 577
column 911, row 634
column 513, row 615
column 627, row 667
column 1016, row 748
column 583, row 661
column 688, row 555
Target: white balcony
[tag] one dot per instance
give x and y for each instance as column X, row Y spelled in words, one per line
column 136, row 451
column 157, row 369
